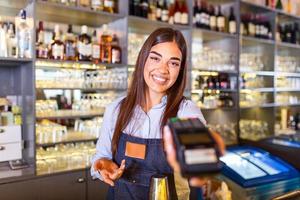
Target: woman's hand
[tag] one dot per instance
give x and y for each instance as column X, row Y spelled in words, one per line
column 109, row 170
column 171, row 153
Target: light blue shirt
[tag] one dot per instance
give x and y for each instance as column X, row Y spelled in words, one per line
column 142, row 125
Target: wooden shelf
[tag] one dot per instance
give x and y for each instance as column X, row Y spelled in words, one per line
column 70, row 114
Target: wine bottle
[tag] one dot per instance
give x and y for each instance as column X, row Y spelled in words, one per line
column 70, row 45
column 212, row 19
column 84, row 45
column 232, row 22
column 220, row 20
column 279, row 5
column 165, row 12
column 57, row 47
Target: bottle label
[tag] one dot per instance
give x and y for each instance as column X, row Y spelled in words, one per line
column 109, row 3
column 96, row 3
column 165, row 15
column 202, row 18
column 221, row 22
column 115, row 56
column 232, row 27
column 70, row 49
column 251, row 29
column 177, row 18
column 95, row 51
column 184, row 18
column 158, row 13
column 212, row 21
column 198, row 18
column 85, row 49
column 57, row 51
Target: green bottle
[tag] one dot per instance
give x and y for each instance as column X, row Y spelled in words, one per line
column 279, row 5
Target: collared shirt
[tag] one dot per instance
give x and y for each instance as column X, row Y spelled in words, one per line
column 142, row 124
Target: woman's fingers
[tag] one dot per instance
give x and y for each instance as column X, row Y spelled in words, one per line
column 219, row 141
column 106, row 178
column 170, row 149
column 197, row 182
column 118, row 172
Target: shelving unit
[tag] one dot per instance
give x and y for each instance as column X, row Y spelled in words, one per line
column 20, row 73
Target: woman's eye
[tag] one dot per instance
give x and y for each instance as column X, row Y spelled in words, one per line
column 154, row 58
column 174, row 64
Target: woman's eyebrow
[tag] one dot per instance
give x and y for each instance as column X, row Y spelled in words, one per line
column 156, row 53
column 175, row 58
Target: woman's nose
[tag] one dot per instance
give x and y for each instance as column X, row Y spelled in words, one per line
column 163, row 68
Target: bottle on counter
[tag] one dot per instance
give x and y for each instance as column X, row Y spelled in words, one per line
column 105, row 45
column 84, row 45
column 70, row 45
column 57, row 47
column 24, row 37
column 116, row 51
column 95, row 48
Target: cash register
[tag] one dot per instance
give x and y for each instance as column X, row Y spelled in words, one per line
column 253, row 173
column 287, row 147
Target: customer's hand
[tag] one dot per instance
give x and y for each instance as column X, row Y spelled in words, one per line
column 171, row 153
column 109, row 170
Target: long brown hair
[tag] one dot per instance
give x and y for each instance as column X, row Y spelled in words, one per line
column 136, row 92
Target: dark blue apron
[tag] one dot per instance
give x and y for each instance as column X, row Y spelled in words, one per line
column 135, row 181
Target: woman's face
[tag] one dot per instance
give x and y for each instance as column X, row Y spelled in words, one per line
column 162, row 67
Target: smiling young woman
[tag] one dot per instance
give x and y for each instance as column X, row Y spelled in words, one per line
column 130, row 147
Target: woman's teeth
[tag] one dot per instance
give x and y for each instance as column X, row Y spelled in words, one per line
column 159, row 80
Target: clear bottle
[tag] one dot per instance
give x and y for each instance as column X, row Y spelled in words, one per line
column 70, row 45
column 84, row 45
column 95, row 48
column 97, row 5
column 11, row 41
column 3, row 40
column 24, row 37
column 105, row 48
column 109, row 6
column 116, row 51
column 57, row 47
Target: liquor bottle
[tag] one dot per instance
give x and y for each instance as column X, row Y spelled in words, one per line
column 297, row 33
column 212, row 19
column 84, row 45
column 158, row 10
column 131, row 7
column 294, row 32
column 206, row 16
column 144, row 6
column 116, row 52
column 177, row 15
column 97, row 5
column 95, row 48
column 202, row 15
column 257, row 26
column 152, row 10
column 85, row 3
column 232, row 22
column 106, row 39
column 71, row 2
column 184, row 18
column 3, row 43
column 109, row 6
column 165, row 12
column 136, row 8
column 24, row 37
column 251, row 26
column 279, row 5
column 196, row 14
column 41, row 47
column 70, row 45
column 220, row 20
column 171, row 12
column 11, row 41
column 57, row 47
column 269, row 30
column 289, row 34
column 278, row 34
